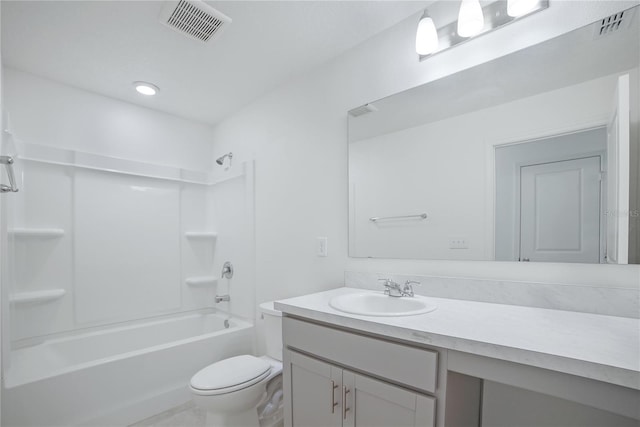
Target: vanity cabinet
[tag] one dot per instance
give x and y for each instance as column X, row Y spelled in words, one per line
column 341, row 370
column 322, row 387
column 325, row 395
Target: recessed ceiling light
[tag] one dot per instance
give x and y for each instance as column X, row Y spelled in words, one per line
column 145, row 88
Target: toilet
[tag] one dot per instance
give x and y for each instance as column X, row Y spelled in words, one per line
column 231, row 390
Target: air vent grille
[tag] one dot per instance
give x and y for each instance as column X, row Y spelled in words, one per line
column 612, row 24
column 362, row 110
column 194, row 19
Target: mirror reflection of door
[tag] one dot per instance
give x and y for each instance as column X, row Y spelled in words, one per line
column 560, row 211
column 549, row 204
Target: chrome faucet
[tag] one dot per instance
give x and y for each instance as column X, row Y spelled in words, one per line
column 222, row 298
column 394, row 289
column 407, row 290
column 391, row 288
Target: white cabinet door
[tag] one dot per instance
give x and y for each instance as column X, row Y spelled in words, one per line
column 373, row 403
column 316, row 391
column 560, row 211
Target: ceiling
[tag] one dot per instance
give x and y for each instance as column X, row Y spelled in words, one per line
column 104, row 46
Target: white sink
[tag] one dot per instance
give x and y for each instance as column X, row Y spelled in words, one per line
column 379, row 304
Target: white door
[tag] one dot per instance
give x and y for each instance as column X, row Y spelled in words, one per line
column 372, row 403
column 560, row 211
column 316, row 392
column 617, row 210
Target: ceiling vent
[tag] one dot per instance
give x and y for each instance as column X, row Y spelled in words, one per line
column 194, row 19
column 362, row 110
column 612, row 24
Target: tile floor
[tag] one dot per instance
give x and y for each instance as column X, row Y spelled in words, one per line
column 187, row 415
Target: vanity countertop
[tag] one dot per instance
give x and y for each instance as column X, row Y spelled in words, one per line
column 604, row 348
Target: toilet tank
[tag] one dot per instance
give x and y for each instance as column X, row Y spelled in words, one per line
column 272, row 329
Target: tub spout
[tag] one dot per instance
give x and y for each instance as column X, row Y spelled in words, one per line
column 221, row 298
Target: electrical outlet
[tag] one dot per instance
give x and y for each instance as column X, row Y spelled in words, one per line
column 321, row 246
column 458, row 243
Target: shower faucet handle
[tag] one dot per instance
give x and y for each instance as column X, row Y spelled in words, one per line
column 227, row 270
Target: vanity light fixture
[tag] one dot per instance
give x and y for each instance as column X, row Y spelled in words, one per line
column 473, row 21
column 426, row 35
column 517, row 8
column 470, row 18
column 145, row 88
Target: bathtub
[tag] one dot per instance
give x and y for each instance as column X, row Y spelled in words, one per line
column 117, row 375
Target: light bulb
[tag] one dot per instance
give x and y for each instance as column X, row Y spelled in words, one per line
column 517, row 8
column 145, row 88
column 470, row 18
column 426, row 36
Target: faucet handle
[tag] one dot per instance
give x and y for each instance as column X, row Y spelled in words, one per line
column 390, row 286
column 386, row 285
column 407, row 290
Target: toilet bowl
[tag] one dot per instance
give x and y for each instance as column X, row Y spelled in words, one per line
column 231, row 390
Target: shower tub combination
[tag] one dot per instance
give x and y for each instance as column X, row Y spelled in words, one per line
column 119, row 374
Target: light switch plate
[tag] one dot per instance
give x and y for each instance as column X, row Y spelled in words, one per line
column 321, row 246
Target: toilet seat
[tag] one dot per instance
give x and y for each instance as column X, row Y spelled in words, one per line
column 229, row 375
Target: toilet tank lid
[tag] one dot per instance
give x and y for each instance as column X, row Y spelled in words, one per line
column 267, row 308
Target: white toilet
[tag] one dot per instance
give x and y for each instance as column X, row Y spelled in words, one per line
column 231, row 390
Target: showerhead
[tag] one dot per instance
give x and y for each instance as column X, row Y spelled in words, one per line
column 220, row 160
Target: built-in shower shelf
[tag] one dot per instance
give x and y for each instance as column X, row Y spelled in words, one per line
column 201, row 235
column 37, row 233
column 35, row 297
column 202, row 281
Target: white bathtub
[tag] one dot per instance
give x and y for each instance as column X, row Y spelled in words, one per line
column 116, row 375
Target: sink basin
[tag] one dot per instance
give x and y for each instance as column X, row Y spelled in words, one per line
column 379, row 304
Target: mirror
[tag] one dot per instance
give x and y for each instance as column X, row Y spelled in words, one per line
column 524, row 158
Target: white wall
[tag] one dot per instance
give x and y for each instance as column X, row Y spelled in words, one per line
column 49, row 113
column 634, row 178
column 297, row 134
column 3, row 238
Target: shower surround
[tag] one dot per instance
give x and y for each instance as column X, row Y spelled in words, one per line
column 112, row 272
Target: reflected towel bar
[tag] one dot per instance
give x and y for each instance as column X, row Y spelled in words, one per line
column 418, row 216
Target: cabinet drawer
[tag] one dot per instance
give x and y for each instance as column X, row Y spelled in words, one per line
column 400, row 363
